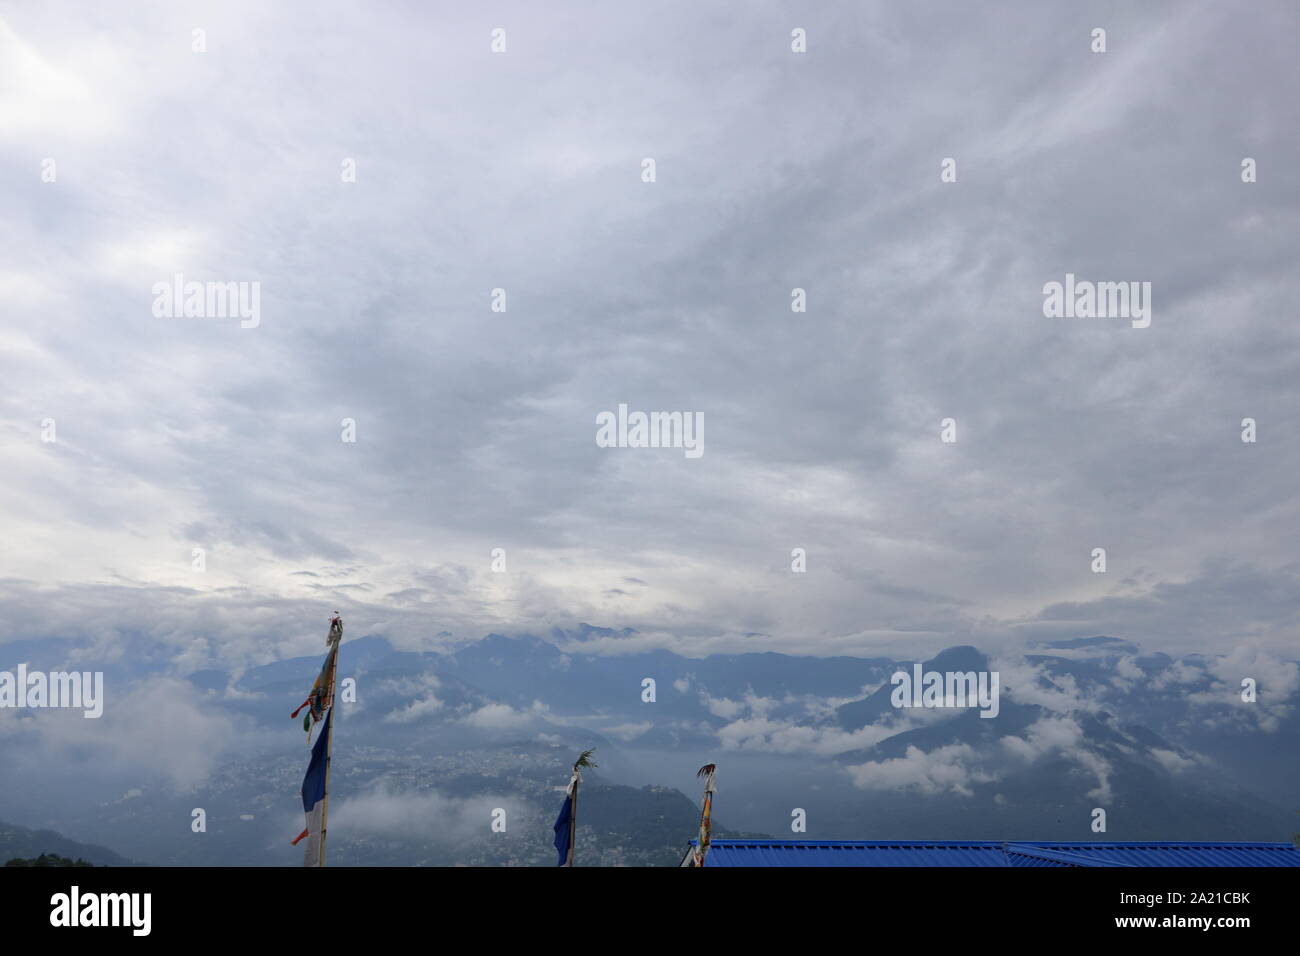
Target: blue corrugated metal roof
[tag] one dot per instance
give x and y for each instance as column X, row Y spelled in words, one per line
column 1184, row 854
column 981, row 853
column 837, row 853
column 1047, row 854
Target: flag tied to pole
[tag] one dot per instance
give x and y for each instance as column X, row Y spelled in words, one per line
column 321, row 697
column 313, row 795
column 564, row 824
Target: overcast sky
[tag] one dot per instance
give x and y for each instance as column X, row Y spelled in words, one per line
column 775, row 170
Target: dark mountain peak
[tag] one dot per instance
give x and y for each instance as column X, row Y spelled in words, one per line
column 520, row 655
column 962, row 657
column 587, row 632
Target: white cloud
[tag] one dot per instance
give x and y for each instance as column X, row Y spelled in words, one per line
column 1028, row 683
column 160, row 726
column 1171, row 761
column 384, row 810
column 1044, row 736
column 1063, row 735
column 505, row 717
column 630, row 732
column 417, row 709
column 946, row 769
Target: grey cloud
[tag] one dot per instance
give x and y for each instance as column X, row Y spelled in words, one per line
column 476, row 429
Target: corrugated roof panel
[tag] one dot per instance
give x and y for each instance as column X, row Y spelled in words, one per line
column 833, row 853
column 981, row 853
column 1037, row 854
column 1019, row 857
column 1185, row 854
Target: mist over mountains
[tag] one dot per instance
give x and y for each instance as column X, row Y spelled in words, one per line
column 436, row 741
column 433, row 285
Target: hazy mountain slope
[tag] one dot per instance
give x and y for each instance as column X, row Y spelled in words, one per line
column 434, row 742
column 21, row 842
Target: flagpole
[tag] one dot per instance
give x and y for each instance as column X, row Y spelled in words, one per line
column 573, row 817
column 335, row 637
column 584, row 760
column 706, row 814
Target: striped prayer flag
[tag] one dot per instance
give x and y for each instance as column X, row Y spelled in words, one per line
column 321, row 697
column 313, row 795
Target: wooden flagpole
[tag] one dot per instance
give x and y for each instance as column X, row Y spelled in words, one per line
column 706, row 814
column 335, row 638
column 573, row 817
column 584, row 760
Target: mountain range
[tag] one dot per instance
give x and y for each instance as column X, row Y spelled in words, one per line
column 431, row 745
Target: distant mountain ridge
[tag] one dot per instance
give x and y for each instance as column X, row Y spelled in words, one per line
column 21, row 842
column 1162, row 744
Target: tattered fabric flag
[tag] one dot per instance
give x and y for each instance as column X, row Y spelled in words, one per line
column 564, row 824
column 313, row 795
column 321, row 697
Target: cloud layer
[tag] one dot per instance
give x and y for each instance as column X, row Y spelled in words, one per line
column 522, row 171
